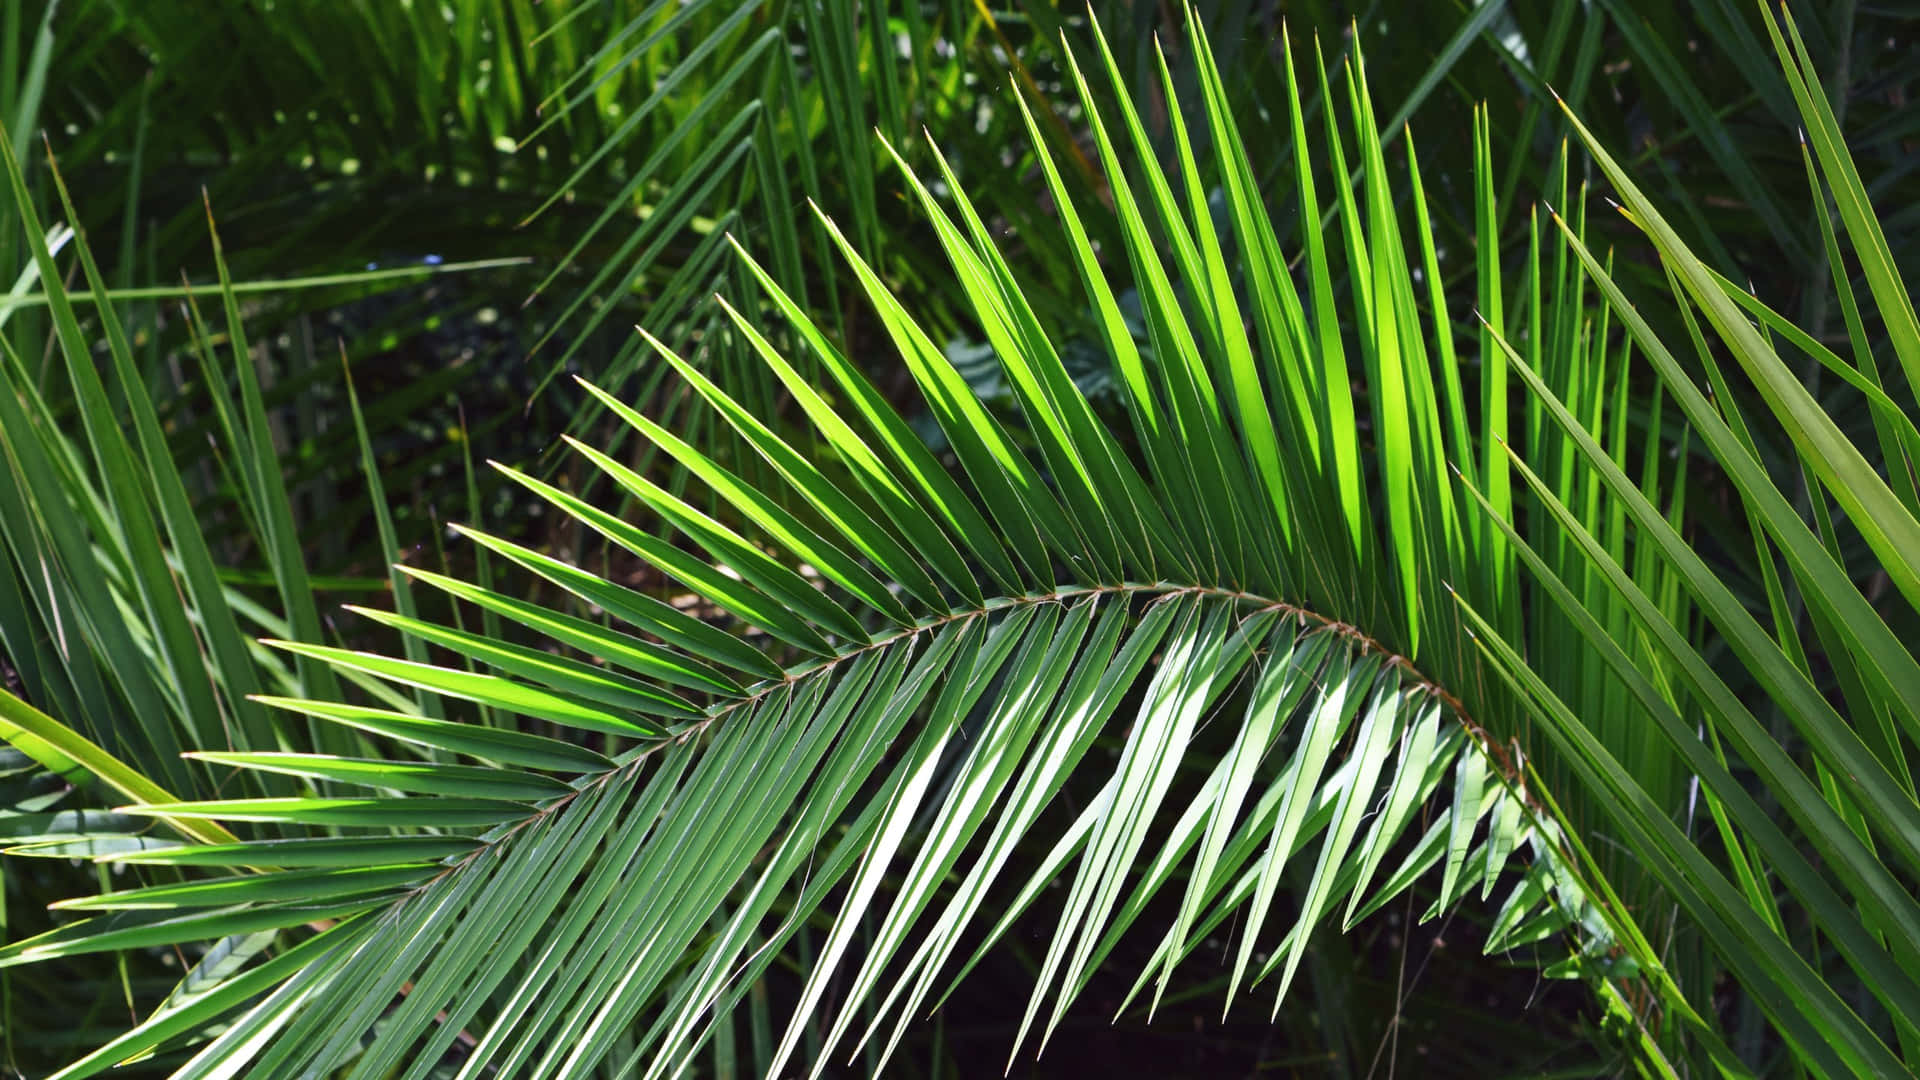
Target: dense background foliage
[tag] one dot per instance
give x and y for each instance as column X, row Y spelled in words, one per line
column 430, row 214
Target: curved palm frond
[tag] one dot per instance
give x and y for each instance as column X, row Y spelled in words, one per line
column 1253, row 616
column 930, row 657
column 719, row 842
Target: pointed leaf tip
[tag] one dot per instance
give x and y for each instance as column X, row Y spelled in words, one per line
column 658, row 345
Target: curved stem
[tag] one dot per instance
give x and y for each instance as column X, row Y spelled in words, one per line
column 634, row 759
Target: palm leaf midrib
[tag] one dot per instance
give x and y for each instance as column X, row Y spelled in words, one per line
column 1364, row 642
column 631, row 763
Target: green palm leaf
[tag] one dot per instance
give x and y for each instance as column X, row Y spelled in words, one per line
column 1243, row 643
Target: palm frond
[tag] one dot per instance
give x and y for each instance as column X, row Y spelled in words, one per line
column 1246, row 643
column 908, row 742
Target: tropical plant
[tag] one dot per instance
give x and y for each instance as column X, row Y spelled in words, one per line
column 612, row 144
column 1337, row 576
